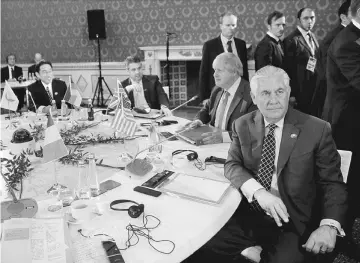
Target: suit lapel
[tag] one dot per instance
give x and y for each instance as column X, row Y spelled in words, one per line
column 145, row 83
column 257, row 133
column 235, row 101
column 220, row 46
column 304, row 43
column 288, row 140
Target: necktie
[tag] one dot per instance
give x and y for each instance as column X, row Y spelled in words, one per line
column 266, row 168
column 12, row 73
column 229, row 48
column 49, row 94
column 222, row 107
column 279, row 44
column 311, row 41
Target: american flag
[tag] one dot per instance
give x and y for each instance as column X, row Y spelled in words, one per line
column 120, row 90
column 124, row 120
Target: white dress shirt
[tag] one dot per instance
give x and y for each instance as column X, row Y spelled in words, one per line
column 224, row 41
column 40, row 108
column 305, row 35
column 10, row 73
column 232, row 90
column 356, row 23
column 139, row 95
column 272, row 36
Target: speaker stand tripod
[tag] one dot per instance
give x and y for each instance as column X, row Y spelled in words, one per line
column 99, row 91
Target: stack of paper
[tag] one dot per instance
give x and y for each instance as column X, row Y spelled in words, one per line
column 33, row 240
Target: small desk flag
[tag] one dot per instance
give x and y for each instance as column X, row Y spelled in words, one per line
column 54, row 147
column 115, row 102
column 9, row 100
column 72, row 95
column 124, row 120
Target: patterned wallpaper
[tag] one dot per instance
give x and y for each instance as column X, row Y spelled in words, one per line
column 58, row 28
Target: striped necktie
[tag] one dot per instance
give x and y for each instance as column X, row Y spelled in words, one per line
column 49, row 94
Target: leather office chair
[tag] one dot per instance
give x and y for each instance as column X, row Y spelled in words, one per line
column 253, row 253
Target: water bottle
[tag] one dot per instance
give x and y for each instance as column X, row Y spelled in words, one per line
column 154, row 138
column 93, row 178
column 64, row 108
column 54, row 110
column 83, row 189
column 90, row 111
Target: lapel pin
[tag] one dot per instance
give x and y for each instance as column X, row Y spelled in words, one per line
column 56, row 93
column 293, row 136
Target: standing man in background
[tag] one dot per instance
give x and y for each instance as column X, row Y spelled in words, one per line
column 302, row 60
column 270, row 50
column 342, row 104
column 226, row 42
column 13, row 73
column 32, row 68
column 320, row 92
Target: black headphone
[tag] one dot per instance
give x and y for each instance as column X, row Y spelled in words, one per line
column 192, row 156
column 134, row 211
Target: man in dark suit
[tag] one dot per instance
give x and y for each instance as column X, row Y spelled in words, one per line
column 320, row 92
column 286, row 165
column 270, row 49
column 226, row 42
column 302, row 60
column 342, row 104
column 144, row 91
column 47, row 88
column 32, row 68
column 229, row 99
column 13, row 73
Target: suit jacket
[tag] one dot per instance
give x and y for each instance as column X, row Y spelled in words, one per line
column 268, row 52
column 211, row 50
column 5, row 73
column 342, row 105
column 302, row 81
column 153, row 91
column 240, row 105
column 41, row 97
column 320, row 92
column 308, row 168
column 31, row 70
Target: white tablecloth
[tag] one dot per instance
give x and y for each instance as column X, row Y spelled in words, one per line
column 187, row 223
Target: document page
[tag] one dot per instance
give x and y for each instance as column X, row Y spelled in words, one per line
column 39, row 240
column 196, row 187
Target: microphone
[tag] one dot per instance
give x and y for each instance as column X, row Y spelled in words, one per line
column 170, row 33
column 32, row 99
column 141, row 166
column 186, row 102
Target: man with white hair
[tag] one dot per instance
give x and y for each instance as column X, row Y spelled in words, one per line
column 286, row 166
column 229, row 99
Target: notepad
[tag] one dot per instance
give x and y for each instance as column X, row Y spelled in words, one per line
column 196, row 188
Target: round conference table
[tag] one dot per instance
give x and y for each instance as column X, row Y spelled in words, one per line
column 187, row 223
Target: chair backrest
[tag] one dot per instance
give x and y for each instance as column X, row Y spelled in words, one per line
column 345, row 163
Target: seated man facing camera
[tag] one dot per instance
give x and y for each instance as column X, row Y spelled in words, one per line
column 144, row 91
column 229, row 99
column 46, row 88
column 286, row 165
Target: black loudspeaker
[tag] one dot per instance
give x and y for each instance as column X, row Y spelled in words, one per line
column 96, row 24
